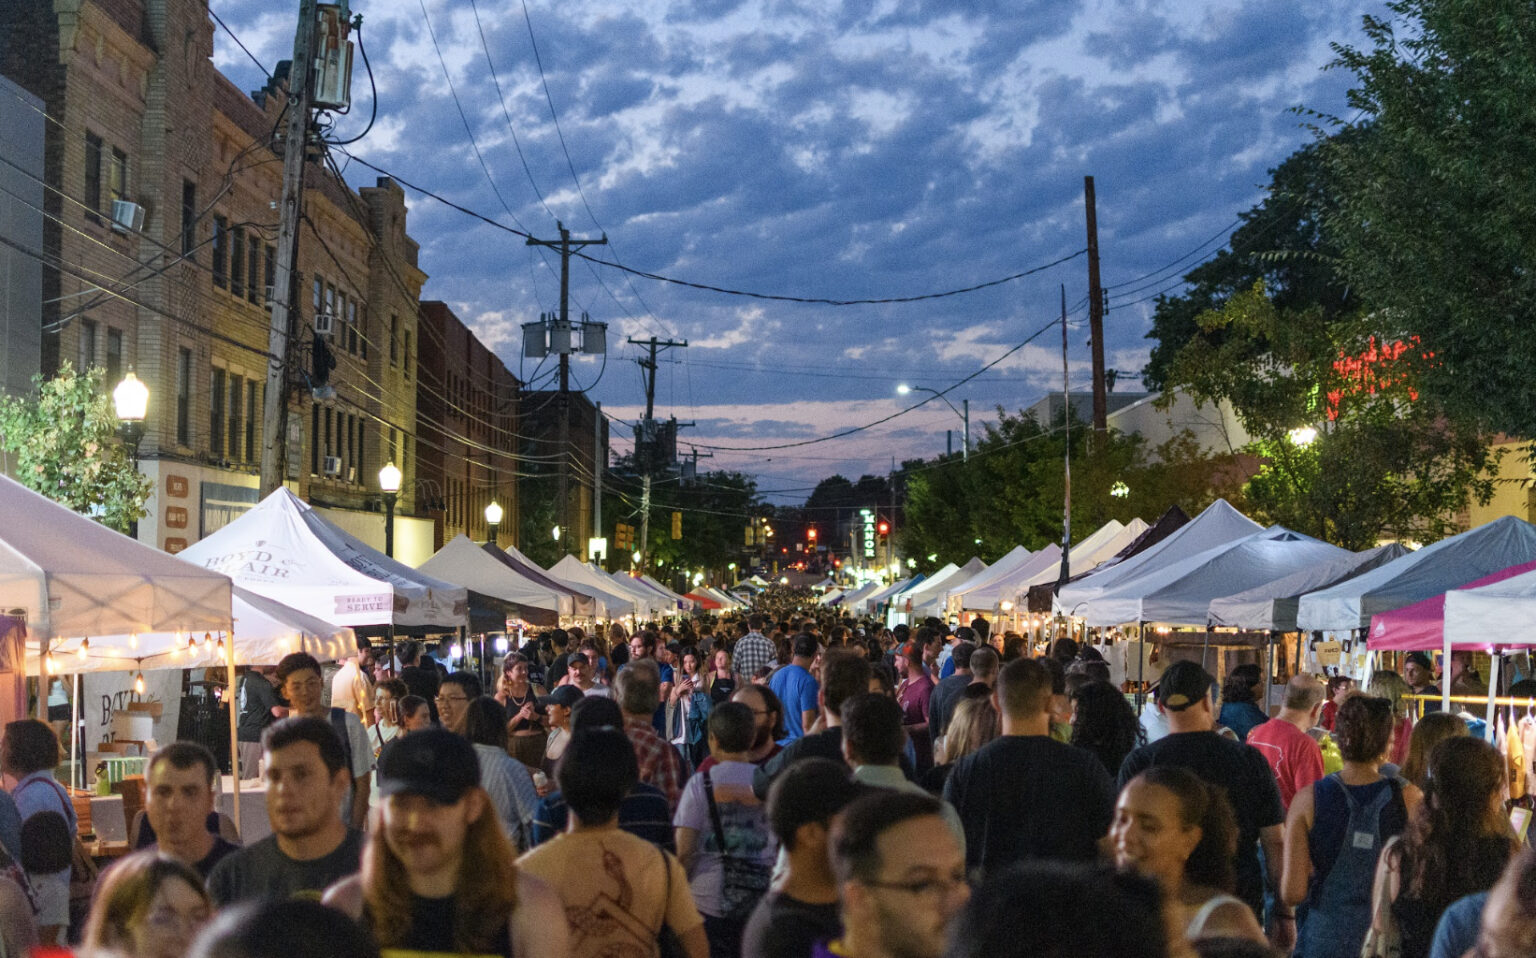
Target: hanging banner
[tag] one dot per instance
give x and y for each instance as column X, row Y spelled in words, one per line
column 103, row 692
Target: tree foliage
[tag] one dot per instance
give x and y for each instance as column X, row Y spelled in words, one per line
column 1436, row 220
column 716, row 508
column 64, row 439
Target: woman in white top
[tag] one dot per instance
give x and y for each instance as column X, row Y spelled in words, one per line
column 1171, row 826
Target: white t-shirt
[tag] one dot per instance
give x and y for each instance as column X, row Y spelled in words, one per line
column 747, row 834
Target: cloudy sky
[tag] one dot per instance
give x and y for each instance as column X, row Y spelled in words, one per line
column 858, row 150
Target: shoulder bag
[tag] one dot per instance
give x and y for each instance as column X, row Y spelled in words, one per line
column 1384, row 939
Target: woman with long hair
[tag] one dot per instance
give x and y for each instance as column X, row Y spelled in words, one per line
column 1336, row 828
column 1457, row 842
column 1429, row 731
column 148, row 905
column 691, row 704
column 721, row 681
column 973, row 723
column 1171, row 826
column 1104, row 723
column 1389, row 685
column 508, row 782
column 519, row 698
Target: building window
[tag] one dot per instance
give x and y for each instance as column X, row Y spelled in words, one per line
column 269, row 277
column 188, row 218
column 114, row 357
column 87, row 344
column 117, row 176
column 405, row 363
column 93, row 176
column 362, row 332
column 394, row 338
column 237, row 262
column 220, row 251
column 216, row 416
column 236, row 393
column 314, row 440
column 184, row 397
column 317, row 296
column 252, row 413
column 253, row 269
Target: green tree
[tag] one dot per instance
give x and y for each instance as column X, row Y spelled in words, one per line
column 1437, row 204
column 65, row 443
column 1389, row 461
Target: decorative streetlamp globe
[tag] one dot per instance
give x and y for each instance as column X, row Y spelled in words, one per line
column 493, row 513
column 390, row 478
column 131, row 399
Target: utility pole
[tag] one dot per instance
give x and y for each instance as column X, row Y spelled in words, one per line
column 566, row 246
column 1066, row 408
column 648, row 432
column 598, row 464
column 1096, row 313
column 274, row 418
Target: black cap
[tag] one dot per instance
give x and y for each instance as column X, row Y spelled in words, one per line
column 1420, row 659
column 433, row 763
column 564, row 695
column 1183, row 684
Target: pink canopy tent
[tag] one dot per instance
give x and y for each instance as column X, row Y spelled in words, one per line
column 1421, row 626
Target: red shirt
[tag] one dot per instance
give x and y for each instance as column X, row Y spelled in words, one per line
column 1293, row 756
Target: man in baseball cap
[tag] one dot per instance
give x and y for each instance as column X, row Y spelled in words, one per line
column 436, row 836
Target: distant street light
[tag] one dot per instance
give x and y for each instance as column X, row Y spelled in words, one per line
column 389, row 485
column 493, row 516
column 965, row 417
column 1303, row 436
column 1119, row 490
column 130, row 400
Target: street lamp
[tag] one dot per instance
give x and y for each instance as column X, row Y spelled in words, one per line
column 389, row 484
column 965, row 416
column 131, row 401
column 556, row 533
column 493, row 516
column 1303, row 436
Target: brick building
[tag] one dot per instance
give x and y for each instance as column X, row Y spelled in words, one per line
column 467, row 415
column 161, row 189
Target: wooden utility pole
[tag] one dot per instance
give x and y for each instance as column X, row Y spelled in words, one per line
column 648, row 433
column 1066, row 409
column 274, row 418
column 566, row 246
column 1096, row 313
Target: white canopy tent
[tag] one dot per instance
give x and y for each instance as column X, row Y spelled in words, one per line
column 871, row 603
column 1271, row 607
column 957, row 595
column 847, row 599
column 466, row 562
column 1008, row 586
column 916, row 583
column 1108, row 540
column 73, row 577
column 646, row 599
column 928, row 597
column 1503, row 613
column 264, row 631
column 576, row 602
column 1434, row 569
column 611, row 603
column 1218, row 524
column 1180, row 592
column 831, row 597
column 682, row 601
column 286, row 551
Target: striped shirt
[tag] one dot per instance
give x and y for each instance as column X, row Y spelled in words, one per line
column 511, row 789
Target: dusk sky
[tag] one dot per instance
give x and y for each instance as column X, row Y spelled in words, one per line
column 863, row 150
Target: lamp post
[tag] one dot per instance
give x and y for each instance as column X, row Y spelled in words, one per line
column 965, row 415
column 493, row 515
column 130, row 400
column 389, row 485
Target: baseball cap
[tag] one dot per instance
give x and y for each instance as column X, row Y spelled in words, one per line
column 1421, row 660
column 433, row 763
column 1183, row 684
column 910, row 650
column 564, row 695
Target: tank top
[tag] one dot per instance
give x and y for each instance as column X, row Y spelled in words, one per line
column 515, row 705
column 1195, row 930
column 1351, row 823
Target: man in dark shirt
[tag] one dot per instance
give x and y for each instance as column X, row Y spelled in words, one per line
column 947, row 692
column 310, row 846
column 843, row 675
column 422, row 680
column 178, row 803
column 257, row 698
column 802, row 913
column 1185, row 698
column 1025, row 795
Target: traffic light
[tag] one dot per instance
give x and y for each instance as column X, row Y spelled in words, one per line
column 884, row 528
column 677, row 525
column 811, row 534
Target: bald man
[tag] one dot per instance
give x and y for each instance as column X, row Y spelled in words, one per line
column 1294, row 755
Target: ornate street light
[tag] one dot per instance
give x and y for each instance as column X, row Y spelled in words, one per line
column 389, row 485
column 493, row 514
column 131, row 401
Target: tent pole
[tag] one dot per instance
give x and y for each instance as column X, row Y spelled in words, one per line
column 1493, row 694
column 74, row 736
column 42, row 678
column 1445, row 675
column 1269, row 668
column 1141, row 668
column 232, row 697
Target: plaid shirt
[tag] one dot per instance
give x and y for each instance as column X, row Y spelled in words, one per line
column 660, row 763
column 753, row 651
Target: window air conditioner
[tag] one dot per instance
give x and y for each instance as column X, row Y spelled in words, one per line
column 127, row 217
column 325, row 324
column 332, row 465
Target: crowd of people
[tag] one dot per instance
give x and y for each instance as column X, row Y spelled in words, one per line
column 792, row 785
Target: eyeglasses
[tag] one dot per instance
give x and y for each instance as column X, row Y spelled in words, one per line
column 449, row 699
column 933, row 889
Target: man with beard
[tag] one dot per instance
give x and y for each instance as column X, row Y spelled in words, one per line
column 900, row 874
column 768, row 713
column 440, row 873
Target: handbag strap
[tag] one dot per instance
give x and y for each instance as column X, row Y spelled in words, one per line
column 714, row 812
column 666, row 903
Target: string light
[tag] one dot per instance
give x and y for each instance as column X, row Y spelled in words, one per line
column 85, row 646
column 221, row 643
column 207, row 638
column 138, row 683
column 133, row 640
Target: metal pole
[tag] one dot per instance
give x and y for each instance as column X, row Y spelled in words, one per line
column 389, row 524
column 597, row 470
column 234, row 731
column 965, row 404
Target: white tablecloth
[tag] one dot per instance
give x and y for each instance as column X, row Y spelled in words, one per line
column 109, row 823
